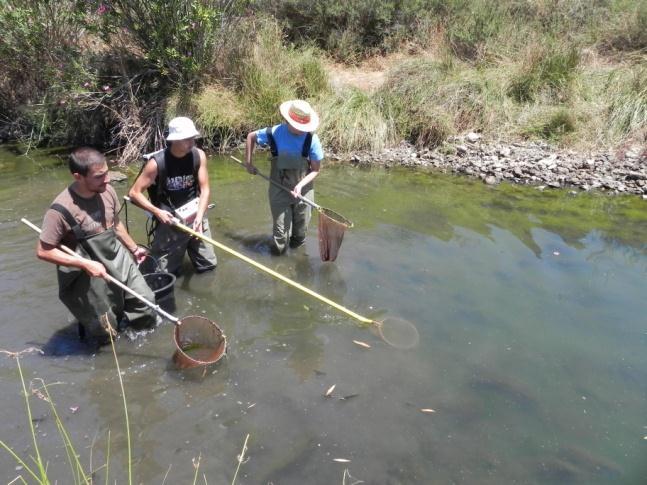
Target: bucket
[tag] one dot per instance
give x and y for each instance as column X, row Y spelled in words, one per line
column 162, row 285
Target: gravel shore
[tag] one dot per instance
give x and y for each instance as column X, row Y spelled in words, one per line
column 531, row 163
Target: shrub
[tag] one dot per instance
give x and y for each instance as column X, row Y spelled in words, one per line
column 180, row 38
column 40, row 61
column 473, row 25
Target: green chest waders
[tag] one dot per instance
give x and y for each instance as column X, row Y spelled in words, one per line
column 89, row 298
column 290, row 216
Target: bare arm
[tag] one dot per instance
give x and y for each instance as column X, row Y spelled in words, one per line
column 314, row 171
column 52, row 254
column 138, row 252
column 136, row 193
column 250, row 143
column 203, row 182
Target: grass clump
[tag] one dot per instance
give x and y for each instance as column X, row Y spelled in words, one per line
column 351, row 120
column 474, row 26
column 264, row 76
column 627, row 93
column 548, row 70
column 431, row 100
column 553, row 125
column 221, row 115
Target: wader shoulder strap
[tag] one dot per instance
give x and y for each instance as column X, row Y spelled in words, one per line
column 270, row 138
column 79, row 233
column 305, row 151
column 196, row 163
column 160, row 180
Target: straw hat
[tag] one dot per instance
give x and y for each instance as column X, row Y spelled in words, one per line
column 300, row 115
column 181, row 128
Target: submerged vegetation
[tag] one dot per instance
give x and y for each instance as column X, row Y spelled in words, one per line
column 111, row 72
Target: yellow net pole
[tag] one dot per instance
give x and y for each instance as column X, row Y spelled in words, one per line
column 273, row 273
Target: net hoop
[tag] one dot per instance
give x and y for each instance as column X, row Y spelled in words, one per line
column 335, row 216
column 207, row 337
column 397, row 332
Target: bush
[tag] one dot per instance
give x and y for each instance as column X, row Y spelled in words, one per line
column 40, row 61
column 473, row 25
column 180, row 38
column 266, row 74
column 347, row 30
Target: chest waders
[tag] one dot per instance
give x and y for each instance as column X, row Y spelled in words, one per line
column 88, row 298
column 290, row 216
column 167, row 244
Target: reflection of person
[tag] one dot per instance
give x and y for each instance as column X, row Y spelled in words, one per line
column 176, row 177
column 296, row 160
column 84, row 217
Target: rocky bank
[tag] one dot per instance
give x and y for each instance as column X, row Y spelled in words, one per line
column 532, row 163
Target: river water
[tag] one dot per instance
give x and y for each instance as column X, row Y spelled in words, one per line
column 530, row 307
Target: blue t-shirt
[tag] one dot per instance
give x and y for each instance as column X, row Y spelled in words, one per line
column 287, row 142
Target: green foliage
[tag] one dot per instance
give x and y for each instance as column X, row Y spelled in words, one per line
column 260, row 86
column 627, row 93
column 430, row 100
column 351, row 120
column 181, row 38
column 348, row 30
column 473, row 25
column 549, row 69
column 625, row 28
column 40, row 59
column 553, row 125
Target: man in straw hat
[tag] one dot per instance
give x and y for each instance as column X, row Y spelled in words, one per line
column 177, row 182
column 296, row 156
column 84, row 217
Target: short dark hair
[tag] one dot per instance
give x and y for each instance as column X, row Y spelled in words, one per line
column 81, row 159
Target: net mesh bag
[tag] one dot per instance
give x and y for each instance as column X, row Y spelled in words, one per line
column 331, row 233
column 199, row 341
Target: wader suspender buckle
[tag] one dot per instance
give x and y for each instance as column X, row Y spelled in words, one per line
column 79, row 233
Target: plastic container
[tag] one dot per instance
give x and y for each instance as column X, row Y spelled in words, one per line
column 162, row 285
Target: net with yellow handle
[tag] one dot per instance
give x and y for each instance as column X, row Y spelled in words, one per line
column 396, row 332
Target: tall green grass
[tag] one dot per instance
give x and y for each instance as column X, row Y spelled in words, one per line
column 545, row 69
column 627, row 93
column 267, row 74
column 352, row 120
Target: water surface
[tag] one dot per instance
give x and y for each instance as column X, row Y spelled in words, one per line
column 530, row 307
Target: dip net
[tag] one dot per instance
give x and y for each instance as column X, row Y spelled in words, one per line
column 331, row 233
column 199, row 342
